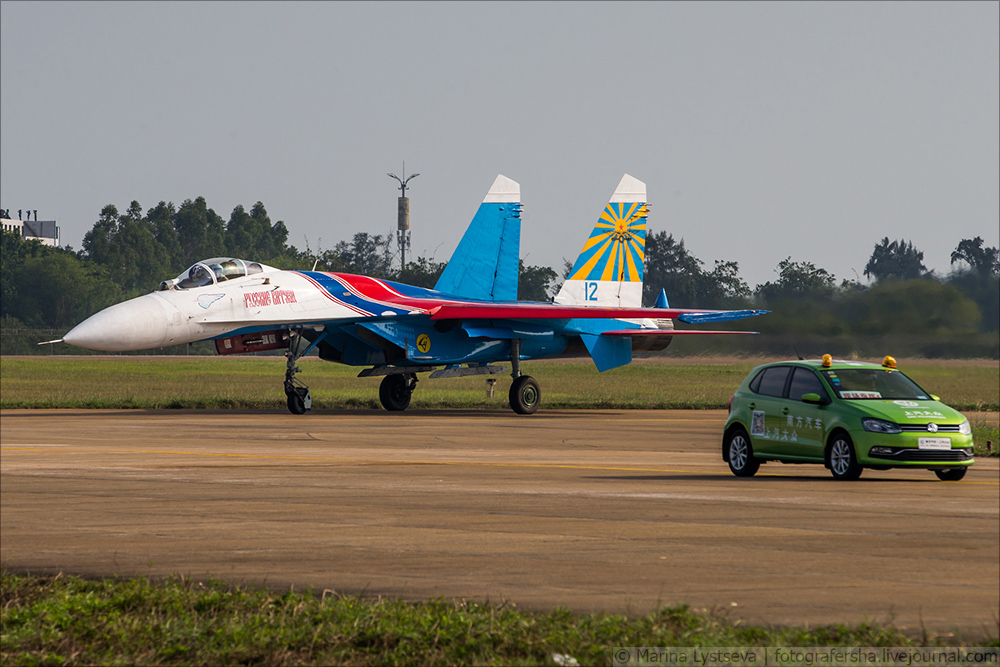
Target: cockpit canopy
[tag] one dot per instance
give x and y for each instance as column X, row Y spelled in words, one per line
column 212, row 271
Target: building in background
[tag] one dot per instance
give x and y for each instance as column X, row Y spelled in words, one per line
column 46, row 231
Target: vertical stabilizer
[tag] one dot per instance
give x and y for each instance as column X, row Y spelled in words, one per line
column 485, row 263
column 608, row 271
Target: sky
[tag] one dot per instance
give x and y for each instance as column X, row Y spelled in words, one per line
column 762, row 130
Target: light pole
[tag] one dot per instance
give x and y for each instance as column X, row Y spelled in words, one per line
column 403, row 217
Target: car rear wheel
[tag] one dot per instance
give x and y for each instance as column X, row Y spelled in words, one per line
column 741, row 459
column 950, row 475
column 843, row 462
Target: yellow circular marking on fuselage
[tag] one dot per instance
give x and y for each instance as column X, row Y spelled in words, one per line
column 424, row 343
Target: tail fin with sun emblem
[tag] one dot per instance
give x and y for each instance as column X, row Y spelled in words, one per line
column 608, row 271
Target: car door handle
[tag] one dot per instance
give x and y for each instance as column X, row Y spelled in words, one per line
column 752, row 406
column 784, row 411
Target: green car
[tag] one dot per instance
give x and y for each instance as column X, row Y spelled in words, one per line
column 846, row 415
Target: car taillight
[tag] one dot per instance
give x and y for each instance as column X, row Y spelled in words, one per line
column 731, row 402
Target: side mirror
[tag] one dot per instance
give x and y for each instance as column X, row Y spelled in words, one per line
column 812, row 398
column 935, row 398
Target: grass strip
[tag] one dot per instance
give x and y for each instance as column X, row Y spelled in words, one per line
column 66, row 620
column 256, row 383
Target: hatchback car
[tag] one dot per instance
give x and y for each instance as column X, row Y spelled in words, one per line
column 846, row 415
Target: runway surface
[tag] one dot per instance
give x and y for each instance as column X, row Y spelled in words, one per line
column 592, row 510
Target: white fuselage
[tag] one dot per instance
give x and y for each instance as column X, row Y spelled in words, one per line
column 176, row 316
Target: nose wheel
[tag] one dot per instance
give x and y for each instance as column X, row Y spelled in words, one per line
column 299, row 400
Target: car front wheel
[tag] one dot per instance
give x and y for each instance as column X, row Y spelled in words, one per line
column 843, row 462
column 950, row 475
column 741, row 459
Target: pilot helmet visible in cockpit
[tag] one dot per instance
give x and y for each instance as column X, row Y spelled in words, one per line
column 199, row 275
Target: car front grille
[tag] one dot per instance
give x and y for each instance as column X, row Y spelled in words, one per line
column 922, row 428
column 923, row 455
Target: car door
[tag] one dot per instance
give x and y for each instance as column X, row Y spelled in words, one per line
column 765, row 410
column 802, row 424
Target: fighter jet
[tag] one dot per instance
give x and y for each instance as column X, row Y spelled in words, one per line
column 468, row 323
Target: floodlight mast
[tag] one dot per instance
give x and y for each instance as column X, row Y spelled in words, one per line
column 403, row 217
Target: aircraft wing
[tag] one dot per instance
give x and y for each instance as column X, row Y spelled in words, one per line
column 545, row 311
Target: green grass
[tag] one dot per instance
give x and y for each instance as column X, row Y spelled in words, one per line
column 255, row 383
column 67, row 620
column 985, row 431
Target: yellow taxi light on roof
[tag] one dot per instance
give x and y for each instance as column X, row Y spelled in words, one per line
column 889, row 362
column 827, row 361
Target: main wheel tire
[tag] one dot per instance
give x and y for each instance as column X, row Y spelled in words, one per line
column 525, row 395
column 843, row 461
column 395, row 392
column 950, row 475
column 296, row 403
column 742, row 462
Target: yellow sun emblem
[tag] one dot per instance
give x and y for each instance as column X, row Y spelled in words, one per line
column 621, row 232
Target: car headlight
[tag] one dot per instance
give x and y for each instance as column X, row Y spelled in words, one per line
column 964, row 428
column 880, row 426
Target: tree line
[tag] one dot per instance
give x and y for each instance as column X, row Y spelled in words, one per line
column 128, row 253
column 903, row 307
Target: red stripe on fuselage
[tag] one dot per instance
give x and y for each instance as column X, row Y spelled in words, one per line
column 326, row 293
column 375, row 290
column 372, row 289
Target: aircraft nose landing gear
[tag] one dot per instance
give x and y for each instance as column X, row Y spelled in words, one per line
column 297, row 393
column 299, row 399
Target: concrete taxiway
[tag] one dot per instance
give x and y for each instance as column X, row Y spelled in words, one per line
column 592, row 510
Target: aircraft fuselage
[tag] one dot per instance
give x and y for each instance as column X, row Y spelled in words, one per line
column 364, row 321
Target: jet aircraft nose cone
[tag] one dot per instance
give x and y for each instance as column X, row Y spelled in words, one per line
column 137, row 324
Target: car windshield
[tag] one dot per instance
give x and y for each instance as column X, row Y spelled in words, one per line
column 873, row 383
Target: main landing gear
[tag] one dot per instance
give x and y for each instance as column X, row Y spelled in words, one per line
column 296, row 391
column 525, row 395
column 395, row 390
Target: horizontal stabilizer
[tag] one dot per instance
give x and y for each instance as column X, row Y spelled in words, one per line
column 719, row 316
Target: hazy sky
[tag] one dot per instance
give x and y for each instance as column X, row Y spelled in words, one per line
column 762, row 131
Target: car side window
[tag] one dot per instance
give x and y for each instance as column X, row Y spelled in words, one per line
column 804, row 381
column 772, row 381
